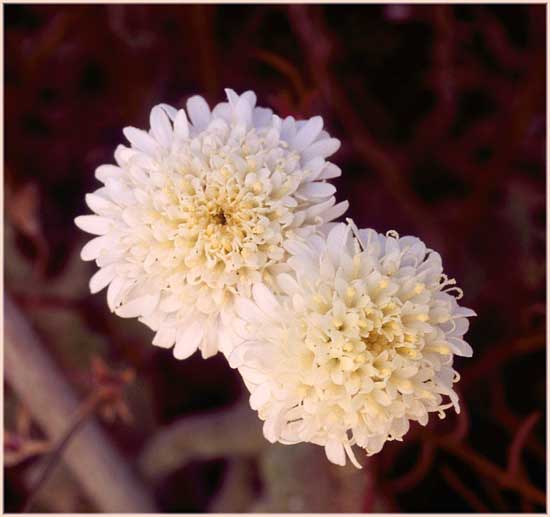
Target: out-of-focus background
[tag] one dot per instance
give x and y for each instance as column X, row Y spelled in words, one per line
column 441, row 114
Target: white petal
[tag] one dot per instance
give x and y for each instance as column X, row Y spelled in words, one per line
column 248, row 310
column 252, row 375
column 92, row 249
column 226, row 340
column 222, row 111
column 271, row 429
column 181, row 126
column 296, row 247
column 154, row 320
column 235, row 357
column 322, row 148
column 141, row 306
column 198, row 111
column 93, row 224
column 316, row 190
column 250, row 97
column 260, row 396
column 307, row 134
column 243, row 111
column 188, row 340
column 287, row 283
column 460, row 347
column 288, row 130
column 170, row 110
column 382, row 397
column 209, row 345
column 232, row 96
column 335, row 211
column 461, row 327
column 165, row 337
column 335, row 452
column 376, row 443
column 261, row 116
column 115, row 291
column 124, row 154
column 160, row 126
column 330, row 171
column 98, row 203
column 102, row 278
column 336, row 242
column 315, row 167
column 465, row 312
column 264, row 299
column 351, row 456
column 318, row 209
column 141, row 140
column 107, row 171
column 171, row 303
column 326, row 267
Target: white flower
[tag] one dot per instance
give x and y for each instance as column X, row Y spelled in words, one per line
column 360, row 343
column 200, row 208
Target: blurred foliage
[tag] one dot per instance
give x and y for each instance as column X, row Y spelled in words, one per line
column 441, row 112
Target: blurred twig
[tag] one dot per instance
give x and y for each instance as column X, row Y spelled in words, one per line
column 237, row 491
column 432, row 129
column 118, row 23
column 285, row 67
column 106, row 397
column 22, row 208
column 19, row 444
column 513, row 125
column 467, row 493
column 484, row 467
column 420, row 470
column 494, row 356
column 519, row 442
column 36, row 301
column 233, row 432
column 49, row 40
column 18, row 449
column 493, row 491
column 315, row 38
column 299, row 478
column 509, row 421
column 38, row 382
column 83, row 412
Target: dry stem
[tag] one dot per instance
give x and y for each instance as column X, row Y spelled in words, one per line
column 98, row 466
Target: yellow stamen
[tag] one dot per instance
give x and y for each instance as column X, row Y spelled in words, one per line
column 418, row 288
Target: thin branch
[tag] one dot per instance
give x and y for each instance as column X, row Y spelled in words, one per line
column 285, row 68
column 494, row 356
column 420, row 470
column 467, row 493
column 519, row 442
column 236, row 494
column 84, row 411
column 486, row 468
column 315, row 38
column 509, row 421
column 200, row 437
column 103, row 474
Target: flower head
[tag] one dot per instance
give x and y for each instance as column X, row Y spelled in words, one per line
column 199, row 208
column 361, row 342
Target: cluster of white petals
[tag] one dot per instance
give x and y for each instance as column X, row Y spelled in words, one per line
column 214, row 229
column 359, row 342
column 200, row 208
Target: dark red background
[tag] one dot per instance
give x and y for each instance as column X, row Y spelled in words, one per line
column 441, row 114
